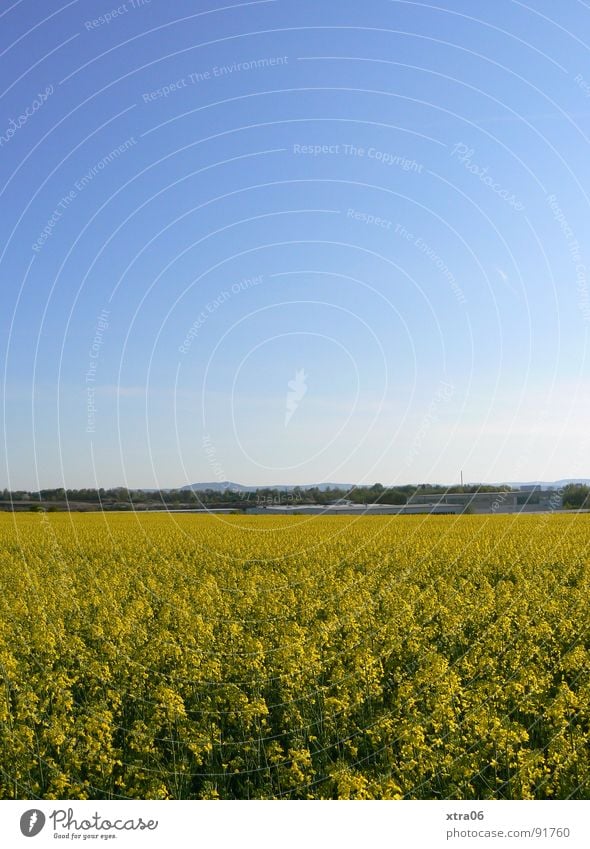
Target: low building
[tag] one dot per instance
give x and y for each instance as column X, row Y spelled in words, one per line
column 478, row 502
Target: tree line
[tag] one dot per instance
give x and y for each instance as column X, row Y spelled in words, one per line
column 121, row 498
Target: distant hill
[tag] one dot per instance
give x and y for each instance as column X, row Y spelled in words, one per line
column 216, row 486
column 221, row 486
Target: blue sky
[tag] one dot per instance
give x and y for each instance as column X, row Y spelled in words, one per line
column 288, row 242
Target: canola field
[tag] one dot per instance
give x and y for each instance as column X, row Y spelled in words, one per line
column 247, row 657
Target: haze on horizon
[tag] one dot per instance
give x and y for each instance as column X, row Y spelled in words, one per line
column 285, row 244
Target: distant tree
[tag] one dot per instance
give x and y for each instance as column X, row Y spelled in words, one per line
column 576, row 496
column 393, row 496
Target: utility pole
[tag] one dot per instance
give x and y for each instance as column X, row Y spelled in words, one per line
column 461, row 477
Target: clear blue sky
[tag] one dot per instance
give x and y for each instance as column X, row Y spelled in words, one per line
column 290, row 241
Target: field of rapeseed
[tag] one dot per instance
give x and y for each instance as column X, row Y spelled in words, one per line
column 154, row 656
